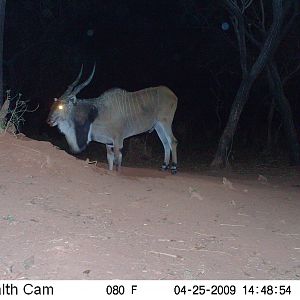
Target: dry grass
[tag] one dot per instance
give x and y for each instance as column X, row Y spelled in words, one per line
column 12, row 116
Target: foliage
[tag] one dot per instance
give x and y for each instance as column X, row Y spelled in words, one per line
column 12, row 113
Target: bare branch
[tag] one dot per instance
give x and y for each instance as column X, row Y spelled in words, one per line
column 272, row 39
column 12, row 118
column 239, row 27
column 295, row 9
column 291, row 74
column 246, row 4
column 262, row 8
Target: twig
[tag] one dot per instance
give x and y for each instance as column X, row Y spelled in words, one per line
column 213, row 251
column 165, row 254
column 233, row 225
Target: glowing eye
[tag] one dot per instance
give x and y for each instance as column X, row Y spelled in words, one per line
column 60, row 106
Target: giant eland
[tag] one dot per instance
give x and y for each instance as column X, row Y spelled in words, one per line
column 113, row 116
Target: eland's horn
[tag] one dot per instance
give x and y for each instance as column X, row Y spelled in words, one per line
column 71, row 86
column 78, row 88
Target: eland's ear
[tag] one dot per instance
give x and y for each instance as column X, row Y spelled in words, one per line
column 73, row 99
column 55, row 99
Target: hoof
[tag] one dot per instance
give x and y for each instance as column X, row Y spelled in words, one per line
column 164, row 167
column 173, row 169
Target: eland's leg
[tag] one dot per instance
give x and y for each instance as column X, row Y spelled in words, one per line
column 172, row 142
column 110, row 156
column 162, row 137
column 118, row 154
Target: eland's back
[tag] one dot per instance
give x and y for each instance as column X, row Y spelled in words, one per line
column 131, row 113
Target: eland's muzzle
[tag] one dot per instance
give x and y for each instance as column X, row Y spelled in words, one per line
column 50, row 122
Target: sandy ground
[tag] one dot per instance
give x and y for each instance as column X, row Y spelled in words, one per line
column 62, row 218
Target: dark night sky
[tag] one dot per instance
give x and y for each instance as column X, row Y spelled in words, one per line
column 137, row 44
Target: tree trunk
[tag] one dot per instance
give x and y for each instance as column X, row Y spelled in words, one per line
column 271, row 42
column 270, row 121
column 284, row 107
column 221, row 156
column 2, row 18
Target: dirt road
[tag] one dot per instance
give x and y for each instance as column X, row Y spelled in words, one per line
column 62, row 218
